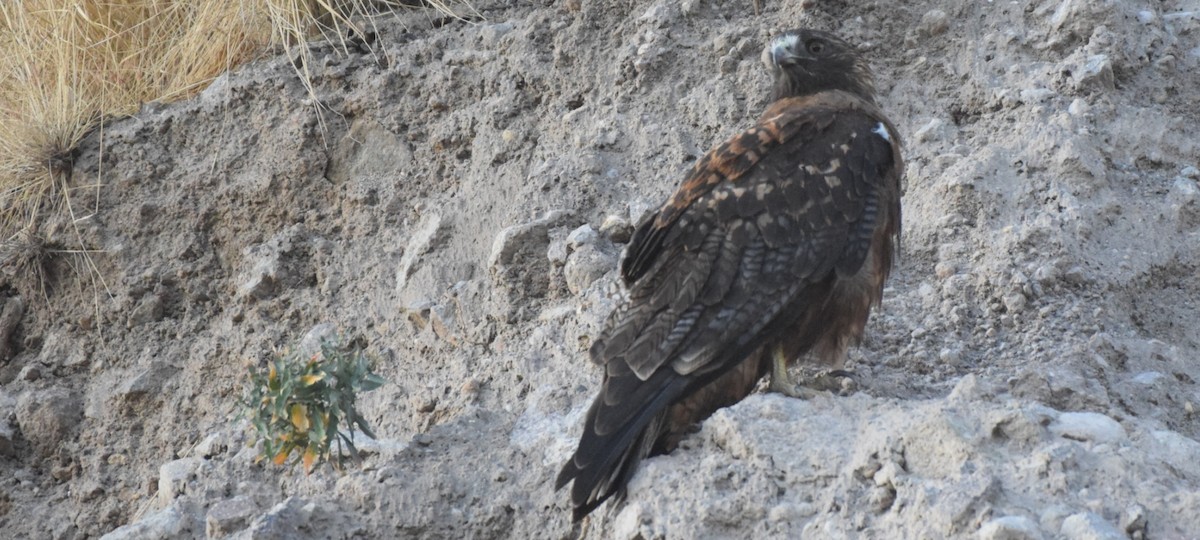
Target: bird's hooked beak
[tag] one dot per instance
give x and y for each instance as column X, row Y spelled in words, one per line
column 783, row 52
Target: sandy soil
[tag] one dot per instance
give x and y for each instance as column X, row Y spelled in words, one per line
column 461, row 205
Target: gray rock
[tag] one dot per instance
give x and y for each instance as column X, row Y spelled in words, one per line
column 212, row 445
column 1015, row 302
column 1010, row 528
column 935, row 129
column 285, row 520
column 1089, row 526
column 1053, row 516
column 1147, row 378
column 1087, row 426
column 6, row 438
column 491, row 34
column 169, row 523
column 557, row 252
column 519, row 265
column 513, row 241
column 259, row 281
column 147, row 381
column 31, row 372
column 1184, row 198
column 423, row 239
column 148, row 310
column 173, row 477
column 616, row 228
column 444, row 322
column 229, row 516
column 311, row 343
column 1096, row 73
column 10, row 316
column 586, row 265
column 582, row 236
column 1134, row 521
column 933, row 22
column 59, row 352
column 48, row 417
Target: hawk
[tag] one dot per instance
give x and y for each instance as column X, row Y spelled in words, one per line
column 774, row 248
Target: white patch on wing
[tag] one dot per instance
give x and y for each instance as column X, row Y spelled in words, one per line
column 882, row 131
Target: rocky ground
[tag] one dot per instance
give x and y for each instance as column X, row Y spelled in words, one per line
column 460, row 205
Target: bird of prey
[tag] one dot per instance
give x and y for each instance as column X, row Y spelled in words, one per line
column 774, row 248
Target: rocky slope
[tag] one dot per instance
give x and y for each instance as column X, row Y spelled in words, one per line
column 460, row 204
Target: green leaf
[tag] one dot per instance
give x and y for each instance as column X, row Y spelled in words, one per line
column 371, row 382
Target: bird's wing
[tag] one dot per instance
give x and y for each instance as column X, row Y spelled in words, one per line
column 759, row 219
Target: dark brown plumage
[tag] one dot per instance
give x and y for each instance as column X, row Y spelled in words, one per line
column 775, row 247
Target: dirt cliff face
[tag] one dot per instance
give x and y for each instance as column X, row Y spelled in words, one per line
column 460, row 203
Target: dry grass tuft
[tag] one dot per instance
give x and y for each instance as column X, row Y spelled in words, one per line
column 66, row 65
column 25, row 254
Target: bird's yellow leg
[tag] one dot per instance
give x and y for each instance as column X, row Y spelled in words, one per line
column 781, row 380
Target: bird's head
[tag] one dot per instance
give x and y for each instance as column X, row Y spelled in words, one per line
column 808, row 61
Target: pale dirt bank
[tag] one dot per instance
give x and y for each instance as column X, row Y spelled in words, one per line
column 1032, row 375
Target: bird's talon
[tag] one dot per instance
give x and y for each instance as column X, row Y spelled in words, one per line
column 796, row 391
column 838, row 381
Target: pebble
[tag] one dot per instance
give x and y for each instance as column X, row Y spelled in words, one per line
column 881, row 498
column 1036, row 95
column 585, row 266
column 149, row 310
column 1147, row 377
column 166, row 523
column 173, row 477
column 261, row 279
column 30, row 373
column 6, row 439
column 11, row 311
column 1015, row 302
column 492, row 33
column 47, row 417
column 1134, row 521
column 288, row 519
column 229, row 516
column 310, row 344
column 616, row 228
column 556, row 252
column 1095, row 73
column 1184, row 190
column 944, row 270
column 933, row 22
column 581, row 236
column 1078, row 107
column 1089, row 526
column 510, row 241
column 212, row 445
column 148, row 380
column 1087, row 426
column 1075, row 275
column 1010, row 528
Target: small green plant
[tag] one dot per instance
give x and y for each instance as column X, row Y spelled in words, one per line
column 299, row 403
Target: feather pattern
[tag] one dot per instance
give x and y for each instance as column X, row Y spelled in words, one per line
column 779, row 237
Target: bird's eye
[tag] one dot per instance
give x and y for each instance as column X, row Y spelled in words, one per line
column 815, row 46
